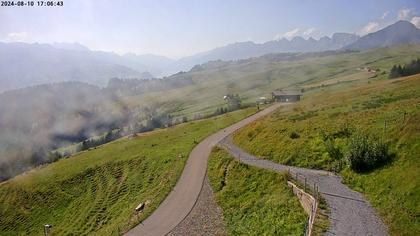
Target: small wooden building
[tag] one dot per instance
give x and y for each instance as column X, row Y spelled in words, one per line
column 286, row 95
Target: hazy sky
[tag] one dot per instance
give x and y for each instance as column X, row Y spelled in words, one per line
column 180, row 28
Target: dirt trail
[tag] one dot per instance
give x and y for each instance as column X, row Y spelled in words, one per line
column 350, row 213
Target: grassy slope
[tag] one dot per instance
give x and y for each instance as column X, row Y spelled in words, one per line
column 393, row 189
column 259, row 77
column 95, row 192
column 111, row 173
column 254, row 201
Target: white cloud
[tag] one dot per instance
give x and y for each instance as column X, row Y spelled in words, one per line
column 309, row 31
column 369, row 28
column 291, row 33
column 384, row 15
column 277, row 37
column 404, row 14
column 416, row 21
column 17, row 37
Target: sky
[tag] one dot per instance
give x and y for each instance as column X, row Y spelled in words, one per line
column 176, row 28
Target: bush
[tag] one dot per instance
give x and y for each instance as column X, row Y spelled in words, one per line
column 366, row 153
column 294, row 135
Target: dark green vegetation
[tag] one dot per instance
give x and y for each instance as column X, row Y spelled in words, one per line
column 95, row 192
column 326, row 121
column 364, row 153
column 254, row 201
column 411, row 68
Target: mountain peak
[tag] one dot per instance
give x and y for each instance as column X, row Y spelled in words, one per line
column 400, row 32
column 402, row 23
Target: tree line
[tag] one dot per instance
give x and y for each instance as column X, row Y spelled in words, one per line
column 410, row 68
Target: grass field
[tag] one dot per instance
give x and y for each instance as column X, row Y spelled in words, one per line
column 346, row 78
column 201, row 96
column 95, row 192
column 389, row 109
column 254, row 201
column 260, row 76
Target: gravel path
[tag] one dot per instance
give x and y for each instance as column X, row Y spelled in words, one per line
column 183, row 197
column 206, row 218
column 350, row 213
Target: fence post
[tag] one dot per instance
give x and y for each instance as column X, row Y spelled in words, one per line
column 317, row 191
column 305, row 184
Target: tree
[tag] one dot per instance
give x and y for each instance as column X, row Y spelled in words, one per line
column 233, row 102
column 394, row 72
column 408, row 69
column 37, row 157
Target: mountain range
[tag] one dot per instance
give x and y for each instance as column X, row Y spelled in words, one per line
column 249, row 49
column 23, row 64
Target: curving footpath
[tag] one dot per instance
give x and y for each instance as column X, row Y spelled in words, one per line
column 184, row 195
column 350, row 213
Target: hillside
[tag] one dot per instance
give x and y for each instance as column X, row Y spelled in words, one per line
column 257, row 77
column 254, row 201
column 128, row 104
column 94, row 179
column 315, row 133
column 38, row 119
column 95, row 192
column 34, row 64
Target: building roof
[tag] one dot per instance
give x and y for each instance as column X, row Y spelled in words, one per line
column 287, row 92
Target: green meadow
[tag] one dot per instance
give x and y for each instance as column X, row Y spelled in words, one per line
column 303, row 134
column 256, row 77
column 254, row 201
column 95, row 192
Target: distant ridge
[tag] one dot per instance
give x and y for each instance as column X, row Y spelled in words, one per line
column 23, row 64
column 243, row 50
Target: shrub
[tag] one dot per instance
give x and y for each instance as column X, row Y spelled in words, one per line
column 294, row 135
column 366, row 152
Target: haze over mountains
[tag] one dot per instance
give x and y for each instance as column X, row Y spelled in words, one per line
column 23, row 64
